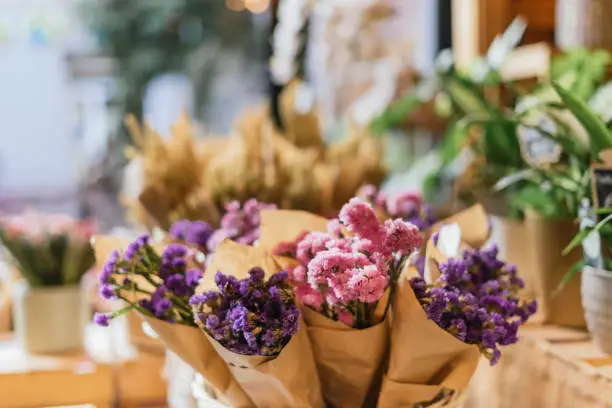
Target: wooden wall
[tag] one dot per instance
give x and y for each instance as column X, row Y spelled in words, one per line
column 477, row 22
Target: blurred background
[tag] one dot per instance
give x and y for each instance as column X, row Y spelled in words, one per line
column 72, row 70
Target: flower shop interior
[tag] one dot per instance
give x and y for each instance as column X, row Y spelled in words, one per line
column 199, row 189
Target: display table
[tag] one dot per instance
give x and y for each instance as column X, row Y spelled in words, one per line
column 550, row 367
column 109, row 372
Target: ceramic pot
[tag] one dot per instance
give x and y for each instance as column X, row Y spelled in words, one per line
column 49, row 319
column 597, row 303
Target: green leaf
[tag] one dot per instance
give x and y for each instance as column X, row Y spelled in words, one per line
column 577, row 240
column 600, row 136
column 500, row 143
column 583, row 234
column 466, row 95
column 396, row 113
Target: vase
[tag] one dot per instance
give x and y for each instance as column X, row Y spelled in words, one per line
column 597, row 302
column 584, row 23
column 49, row 319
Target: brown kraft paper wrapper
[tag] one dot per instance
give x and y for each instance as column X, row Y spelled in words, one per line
column 425, row 362
column 287, row 380
column 348, row 360
column 473, row 223
column 194, row 348
column 546, row 240
column 284, row 381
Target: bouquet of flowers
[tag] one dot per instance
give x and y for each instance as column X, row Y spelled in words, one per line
column 324, row 312
column 464, row 305
column 49, row 250
column 252, row 319
column 159, row 283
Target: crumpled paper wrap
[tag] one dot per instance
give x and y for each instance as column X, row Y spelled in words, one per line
column 287, row 380
column 426, row 363
column 349, row 361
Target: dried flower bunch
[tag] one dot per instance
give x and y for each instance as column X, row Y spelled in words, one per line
column 172, row 172
column 251, row 316
column 346, row 272
column 476, row 299
column 155, row 285
column 49, row 250
column 408, row 206
column 185, row 178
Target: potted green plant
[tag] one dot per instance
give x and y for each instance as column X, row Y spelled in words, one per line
column 596, row 286
column 52, row 253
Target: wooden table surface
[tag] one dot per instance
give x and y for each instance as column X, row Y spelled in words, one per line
column 108, row 373
column 550, row 367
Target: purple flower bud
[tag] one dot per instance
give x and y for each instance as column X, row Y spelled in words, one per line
column 198, row 234
column 257, row 274
column 179, row 229
column 135, row 247
column 192, row 277
column 108, row 292
column 102, row 319
column 173, row 251
column 109, row 268
column 162, row 306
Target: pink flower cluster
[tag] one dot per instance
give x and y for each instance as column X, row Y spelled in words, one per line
column 344, row 272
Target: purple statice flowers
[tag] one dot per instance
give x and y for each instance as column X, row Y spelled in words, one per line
column 195, row 233
column 408, row 206
column 346, row 271
column 239, row 223
column 476, row 299
column 157, row 286
column 250, row 316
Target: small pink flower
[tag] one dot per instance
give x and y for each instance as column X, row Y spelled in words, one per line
column 298, row 274
column 309, row 296
column 338, row 282
column 311, row 244
column 401, row 236
column 405, row 204
column 334, row 227
column 332, row 262
column 365, row 246
column 359, row 217
column 368, row 284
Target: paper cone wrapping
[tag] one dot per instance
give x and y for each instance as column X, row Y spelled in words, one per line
column 348, row 360
column 194, row 348
column 425, row 361
column 428, row 365
column 546, row 239
column 287, row 380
